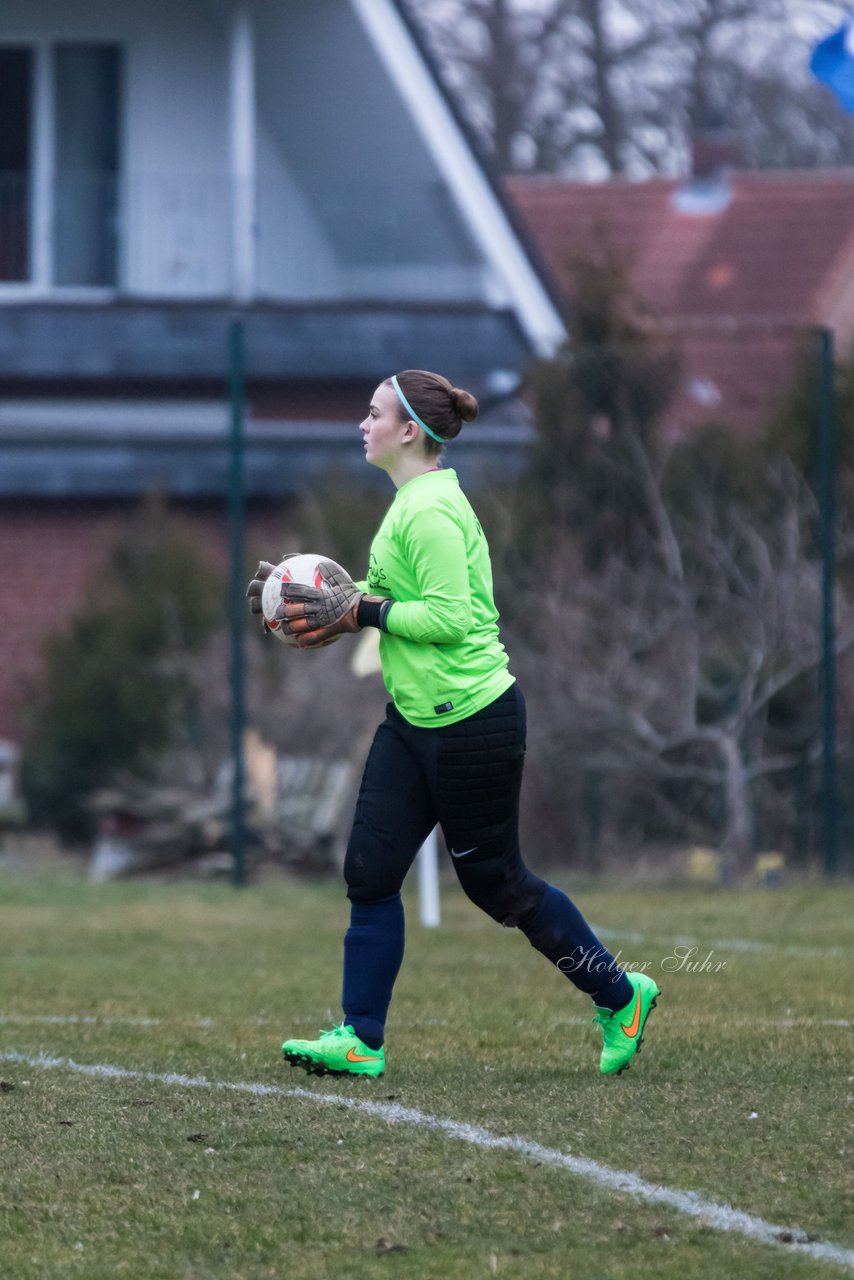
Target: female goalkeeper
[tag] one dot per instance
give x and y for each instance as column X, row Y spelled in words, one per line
column 452, row 745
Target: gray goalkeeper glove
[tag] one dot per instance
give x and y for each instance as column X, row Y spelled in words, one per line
column 313, row 615
column 256, row 586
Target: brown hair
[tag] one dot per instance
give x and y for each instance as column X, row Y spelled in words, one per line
column 442, row 406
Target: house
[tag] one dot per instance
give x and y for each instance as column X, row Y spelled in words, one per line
column 165, row 167
column 737, row 269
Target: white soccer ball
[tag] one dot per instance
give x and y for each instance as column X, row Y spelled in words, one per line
column 304, row 568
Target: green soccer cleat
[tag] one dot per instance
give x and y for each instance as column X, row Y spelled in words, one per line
column 622, row 1031
column 338, row 1052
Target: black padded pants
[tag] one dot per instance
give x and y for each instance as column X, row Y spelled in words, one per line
column 466, row 777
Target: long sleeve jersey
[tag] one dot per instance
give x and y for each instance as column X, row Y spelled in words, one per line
column 441, row 657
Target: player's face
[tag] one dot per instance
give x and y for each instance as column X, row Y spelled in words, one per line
column 384, row 434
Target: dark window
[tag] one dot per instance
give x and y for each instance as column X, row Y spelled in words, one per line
column 16, row 74
column 87, row 94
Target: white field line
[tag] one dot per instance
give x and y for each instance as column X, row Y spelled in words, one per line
column 74, row 1019
column 721, row 1217
column 749, row 945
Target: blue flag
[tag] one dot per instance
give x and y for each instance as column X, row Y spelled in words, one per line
column 832, row 62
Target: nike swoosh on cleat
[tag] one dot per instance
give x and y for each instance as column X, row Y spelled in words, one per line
column 462, row 853
column 353, row 1056
column 632, row 1028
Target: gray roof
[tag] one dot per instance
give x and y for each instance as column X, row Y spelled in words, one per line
column 189, row 340
column 125, row 449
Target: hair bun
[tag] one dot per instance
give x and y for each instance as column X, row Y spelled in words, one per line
column 464, row 404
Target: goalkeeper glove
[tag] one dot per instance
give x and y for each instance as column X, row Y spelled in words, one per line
column 256, row 586
column 313, row 616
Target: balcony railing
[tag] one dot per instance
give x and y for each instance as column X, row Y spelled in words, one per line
column 183, row 236
column 15, row 218
column 76, row 245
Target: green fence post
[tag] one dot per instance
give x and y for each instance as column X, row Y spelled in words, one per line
column 237, row 615
column 827, row 518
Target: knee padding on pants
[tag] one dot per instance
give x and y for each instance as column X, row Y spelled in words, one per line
column 502, row 887
column 370, row 874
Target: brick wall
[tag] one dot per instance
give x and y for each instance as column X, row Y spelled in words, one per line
column 49, row 553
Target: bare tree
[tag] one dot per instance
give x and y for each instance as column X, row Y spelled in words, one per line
column 667, row 600
column 667, row 670
column 598, row 87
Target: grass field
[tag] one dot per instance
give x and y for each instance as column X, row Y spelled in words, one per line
column 742, row 1093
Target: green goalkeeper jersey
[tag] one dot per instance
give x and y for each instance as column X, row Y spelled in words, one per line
column 442, row 659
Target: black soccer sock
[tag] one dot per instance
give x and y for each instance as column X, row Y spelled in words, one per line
column 373, row 952
column 558, row 929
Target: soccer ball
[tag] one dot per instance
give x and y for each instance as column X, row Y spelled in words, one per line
column 303, row 568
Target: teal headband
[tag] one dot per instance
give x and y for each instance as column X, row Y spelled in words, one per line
column 413, row 415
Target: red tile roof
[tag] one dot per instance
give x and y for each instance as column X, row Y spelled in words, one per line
column 732, row 268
